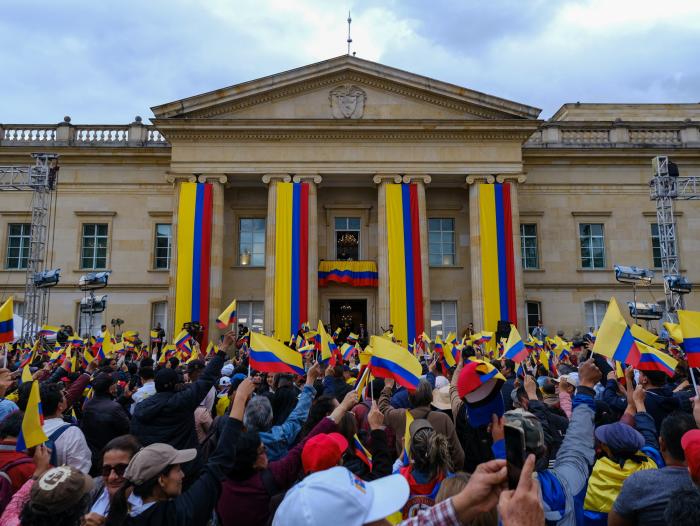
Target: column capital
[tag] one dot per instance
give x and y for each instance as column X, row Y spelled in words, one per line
column 480, row 178
column 415, row 178
column 268, row 178
column 308, row 178
column 174, row 178
column 515, row 178
column 387, row 178
column 212, row 178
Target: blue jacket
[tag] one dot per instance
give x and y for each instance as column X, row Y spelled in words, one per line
column 280, row 438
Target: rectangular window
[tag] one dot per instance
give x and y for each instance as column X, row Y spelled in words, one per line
column 93, row 254
column 443, row 318
column 533, row 313
column 347, row 238
column 18, row 235
column 528, row 246
column 592, row 239
column 251, row 242
column 251, row 314
column 655, row 245
column 441, row 241
column 163, row 246
column 595, row 310
column 18, row 310
column 159, row 314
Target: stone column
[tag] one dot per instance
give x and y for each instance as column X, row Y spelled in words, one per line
column 312, row 306
column 216, row 274
column 271, row 180
column 383, row 315
column 516, row 179
column 475, row 247
column 176, row 180
column 421, row 180
column 475, row 244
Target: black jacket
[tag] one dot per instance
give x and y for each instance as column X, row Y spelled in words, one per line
column 660, row 402
column 381, row 458
column 506, row 389
column 554, row 425
column 168, row 417
column 194, row 507
column 103, row 419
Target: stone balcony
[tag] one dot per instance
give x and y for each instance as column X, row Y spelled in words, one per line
column 616, row 134
column 64, row 133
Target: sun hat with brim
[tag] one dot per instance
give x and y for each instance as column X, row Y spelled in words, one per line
column 441, row 398
column 153, row 459
column 337, row 495
column 59, row 489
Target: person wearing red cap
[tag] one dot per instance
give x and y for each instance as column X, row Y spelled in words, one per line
column 323, row 451
column 691, row 447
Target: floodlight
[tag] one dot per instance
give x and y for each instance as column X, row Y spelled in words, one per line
column 47, row 278
column 94, row 280
column 93, row 304
column 645, row 311
column 633, row 275
column 679, row 284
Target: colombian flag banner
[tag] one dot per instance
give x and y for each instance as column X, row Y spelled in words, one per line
column 404, row 251
column 497, row 254
column 194, row 218
column 291, row 258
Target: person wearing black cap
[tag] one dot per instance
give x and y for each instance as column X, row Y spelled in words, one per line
column 168, row 415
column 103, row 418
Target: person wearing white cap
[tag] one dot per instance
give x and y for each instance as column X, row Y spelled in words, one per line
column 336, row 496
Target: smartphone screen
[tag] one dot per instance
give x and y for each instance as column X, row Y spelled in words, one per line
column 515, row 454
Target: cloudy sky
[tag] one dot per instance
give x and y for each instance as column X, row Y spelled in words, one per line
column 106, row 61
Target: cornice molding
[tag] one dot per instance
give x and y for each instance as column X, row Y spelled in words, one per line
column 592, row 213
column 97, row 213
column 323, row 134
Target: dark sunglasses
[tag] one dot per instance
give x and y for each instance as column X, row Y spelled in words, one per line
column 119, row 469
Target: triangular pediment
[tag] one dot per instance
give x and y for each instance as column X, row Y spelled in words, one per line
column 342, row 88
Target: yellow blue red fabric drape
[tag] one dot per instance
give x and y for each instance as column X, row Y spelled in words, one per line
column 497, row 255
column 353, row 273
column 193, row 254
column 404, row 254
column 291, row 258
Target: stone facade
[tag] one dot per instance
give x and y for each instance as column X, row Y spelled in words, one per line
column 345, row 125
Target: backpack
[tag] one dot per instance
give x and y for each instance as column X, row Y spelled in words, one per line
column 51, row 442
column 6, row 482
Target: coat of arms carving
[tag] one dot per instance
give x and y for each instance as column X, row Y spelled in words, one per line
column 347, row 102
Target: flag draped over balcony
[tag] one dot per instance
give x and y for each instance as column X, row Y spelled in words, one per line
column 404, row 253
column 194, row 220
column 291, row 258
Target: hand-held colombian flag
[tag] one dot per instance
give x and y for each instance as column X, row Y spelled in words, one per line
column 26, row 374
column 651, row 359
column 32, row 434
column 361, row 452
column 228, row 317
column 615, row 339
column 406, row 453
column 272, row 356
column 515, row 348
column 7, row 327
column 390, row 360
column 690, row 326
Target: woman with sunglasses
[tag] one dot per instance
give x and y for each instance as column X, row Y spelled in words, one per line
column 115, row 457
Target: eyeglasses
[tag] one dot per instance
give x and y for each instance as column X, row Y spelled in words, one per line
column 119, row 469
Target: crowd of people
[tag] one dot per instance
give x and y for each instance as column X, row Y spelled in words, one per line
column 134, row 439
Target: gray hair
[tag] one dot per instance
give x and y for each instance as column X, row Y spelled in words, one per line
column 258, row 414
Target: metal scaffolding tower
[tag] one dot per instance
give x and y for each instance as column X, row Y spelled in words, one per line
column 41, row 180
column 666, row 187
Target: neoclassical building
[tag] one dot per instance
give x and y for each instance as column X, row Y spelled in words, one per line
column 578, row 200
